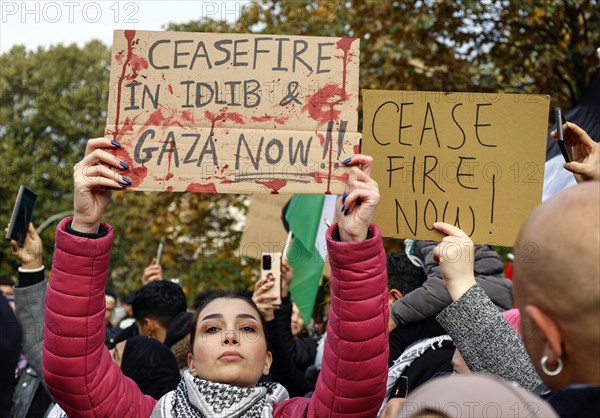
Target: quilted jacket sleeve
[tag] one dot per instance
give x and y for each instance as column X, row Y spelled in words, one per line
column 353, row 377
column 78, row 368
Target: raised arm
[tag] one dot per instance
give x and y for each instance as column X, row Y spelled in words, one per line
column 584, row 152
column 484, row 338
column 78, row 368
column 354, row 371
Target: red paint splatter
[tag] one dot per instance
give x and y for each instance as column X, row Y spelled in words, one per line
column 135, row 174
column 188, row 116
column 137, row 64
column 343, row 178
column 281, row 120
column 274, row 185
column 129, row 35
column 356, row 149
column 321, row 139
column 222, row 117
column 318, row 176
column 345, row 44
column 201, row 188
column 170, row 88
column 169, row 189
column 321, row 105
column 170, row 175
column 225, row 167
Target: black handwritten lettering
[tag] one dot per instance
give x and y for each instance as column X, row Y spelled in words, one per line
column 297, row 54
column 274, row 143
column 321, row 57
column 170, row 147
column 188, row 156
column 414, row 229
column 426, row 211
column 259, row 51
column 151, row 54
column 209, row 148
column 459, row 174
column 375, row 120
column 219, row 47
column 392, row 168
column 147, row 151
column 299, row 150
column 428, row 111
column 146, row 93
column 177, row 53
column 280, row 41
column 132, row 101
column 478, row 125
column 464, row 137
column 255, row 162
column 187, row 84
column 400, row 126
column 201, row 52
column 427, row 171
column 251, row 97
column 237, row 54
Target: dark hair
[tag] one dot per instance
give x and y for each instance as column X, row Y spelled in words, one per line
column 161, row 300
column 403, row 275
column 208, row 296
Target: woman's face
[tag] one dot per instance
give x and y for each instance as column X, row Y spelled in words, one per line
column 230, row 345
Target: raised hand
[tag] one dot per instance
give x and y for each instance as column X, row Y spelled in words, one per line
column 265, row 303
column 152, row 273
column 94, row 177
column 357, row 205
column 584, row 152
column 30, row 255
column 455, row 255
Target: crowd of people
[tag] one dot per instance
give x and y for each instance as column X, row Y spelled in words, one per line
column 432, row 330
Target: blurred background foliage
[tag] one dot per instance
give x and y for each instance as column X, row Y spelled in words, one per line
column 53, row 100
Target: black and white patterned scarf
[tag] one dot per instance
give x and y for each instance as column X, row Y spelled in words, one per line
column 197, row 398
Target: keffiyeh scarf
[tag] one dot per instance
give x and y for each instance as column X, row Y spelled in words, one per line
column 197, row 398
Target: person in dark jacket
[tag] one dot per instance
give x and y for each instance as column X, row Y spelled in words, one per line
column 160, row 312
column 432, row 297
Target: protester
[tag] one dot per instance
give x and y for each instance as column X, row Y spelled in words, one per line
column 557, row 291
column 229, row 348
column 30, row 399
column 160, row 312
column 430, row 298
column 111, row 303
column 10, row 348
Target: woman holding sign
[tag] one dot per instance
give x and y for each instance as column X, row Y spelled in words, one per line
column 229, row 352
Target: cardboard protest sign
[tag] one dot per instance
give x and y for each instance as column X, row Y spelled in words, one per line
column 264, row 231
column 472, row 160
column 231, row 113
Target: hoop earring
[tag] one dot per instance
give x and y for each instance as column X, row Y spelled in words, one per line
column 554, row 372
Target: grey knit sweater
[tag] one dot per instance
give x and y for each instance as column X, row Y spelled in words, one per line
column 486, row 340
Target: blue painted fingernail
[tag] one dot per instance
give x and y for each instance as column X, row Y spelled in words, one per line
column 115, row 143
column 346, row 161
column 344, row 197
column 126, row 180
column 347, row 211
column 123, row 185
column 343, row 209
column 122, row 164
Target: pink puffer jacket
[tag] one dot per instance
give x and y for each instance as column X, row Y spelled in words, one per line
column 85, row 382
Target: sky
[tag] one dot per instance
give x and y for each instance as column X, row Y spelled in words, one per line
column 45, row 23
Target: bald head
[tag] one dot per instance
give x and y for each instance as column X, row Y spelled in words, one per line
column 558, row 261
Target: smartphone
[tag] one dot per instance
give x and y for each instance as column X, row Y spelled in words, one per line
column 559, row 131
column 21, row 215
column 271, row 265
column 159, row 252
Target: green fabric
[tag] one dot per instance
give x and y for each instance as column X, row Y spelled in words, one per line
column 303, row 216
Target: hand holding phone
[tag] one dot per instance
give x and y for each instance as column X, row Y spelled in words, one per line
column 559, row 132
column 271, row 269
column 21, row 215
